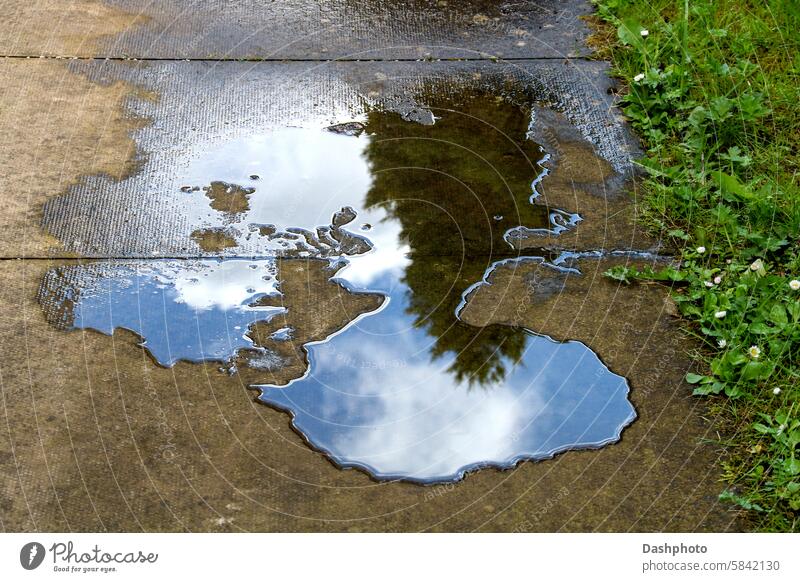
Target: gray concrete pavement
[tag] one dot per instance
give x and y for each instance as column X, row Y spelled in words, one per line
column 97, row 436
column 297, row 29
column 204, row 105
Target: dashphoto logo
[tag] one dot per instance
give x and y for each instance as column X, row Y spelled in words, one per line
column 31, row 555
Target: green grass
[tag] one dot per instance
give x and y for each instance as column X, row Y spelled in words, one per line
column 712, row 90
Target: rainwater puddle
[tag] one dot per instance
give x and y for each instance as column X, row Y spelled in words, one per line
column 194, row 311
column 412, row 393
column 418, row 211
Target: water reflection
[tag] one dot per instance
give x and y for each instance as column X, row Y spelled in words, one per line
column 456, row 189
column 377, row 399
column 395, row 394
column 192, row 311
column 419, row 211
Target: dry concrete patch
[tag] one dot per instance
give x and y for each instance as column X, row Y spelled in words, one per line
column 230, row 199
column 61, row 28
column 58, row 126
column 214, row 240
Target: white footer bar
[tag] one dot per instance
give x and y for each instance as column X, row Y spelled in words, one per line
column 426, row 557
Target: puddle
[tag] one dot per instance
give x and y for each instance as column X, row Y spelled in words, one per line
column 183, row 310
column 419, row 396
column 419, row 208
column 330, row 192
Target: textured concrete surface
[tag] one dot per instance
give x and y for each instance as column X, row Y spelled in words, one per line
column 201, row 106
column 95, row 436
column 57, row 126
column 295, row 29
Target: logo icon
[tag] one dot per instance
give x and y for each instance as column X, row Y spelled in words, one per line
column 31, row 555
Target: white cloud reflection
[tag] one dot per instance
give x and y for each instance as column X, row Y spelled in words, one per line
column 306, row 175
column 374, row 399
column 223, row 285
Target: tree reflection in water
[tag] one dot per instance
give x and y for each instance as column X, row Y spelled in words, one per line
column 456, row 187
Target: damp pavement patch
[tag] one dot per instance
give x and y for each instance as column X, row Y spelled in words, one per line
column 301, row 29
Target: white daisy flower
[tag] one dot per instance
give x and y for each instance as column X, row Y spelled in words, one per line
column 794, row 284
column 720, row 314
column 701, row 250
column 708, row 284
column 717, row 280
column 754, row 352
column 644, row 32
column 776, row 391
column 722, row 343
column 638, row 77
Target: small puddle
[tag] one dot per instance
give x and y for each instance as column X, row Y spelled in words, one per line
column 192, row 311
column 420, row 208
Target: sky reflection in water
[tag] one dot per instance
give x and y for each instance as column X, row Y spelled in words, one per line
column 376, row 399
column 193, row 311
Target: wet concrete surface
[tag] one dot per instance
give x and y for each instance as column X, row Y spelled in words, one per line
column 80, row 451
column 439, row 202
column 240, row 103
column 297, row 29
column 97, row 436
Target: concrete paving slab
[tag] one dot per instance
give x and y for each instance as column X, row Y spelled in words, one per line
column 98, row 437
column 178, row 114
column 58, row 127
column 294, row 29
